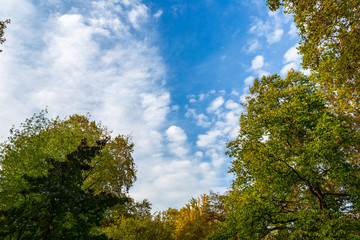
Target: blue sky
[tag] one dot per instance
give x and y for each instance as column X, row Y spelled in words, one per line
column 171, row 73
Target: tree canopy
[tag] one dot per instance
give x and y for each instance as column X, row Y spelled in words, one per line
column 40, row 138
column 296, row 177
column 330, row 33
column 199, row 218
column 55, row 205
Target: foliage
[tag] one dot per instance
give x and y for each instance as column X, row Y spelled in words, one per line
column 296, row 176
column 134, row 220
column 2, row 28
column 330, row 33
column 133, row 228
column 40, row 138
column 198, row 219
column 55, row 206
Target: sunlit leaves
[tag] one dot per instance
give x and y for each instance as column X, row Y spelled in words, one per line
column 330, row 33
column 40, row 138
column 198, row 219
column 300, row 174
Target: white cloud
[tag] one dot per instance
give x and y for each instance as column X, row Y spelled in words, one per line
column 249, row 80
column 59, row 61
column 196, row 98
column 288, row 67
column 292, row 59
column 293, row 30
column 176, row 134
column 230, row 104
column 101, row 60
column 257, row 62
column 138, row 14
column 201, row 119
column 210, row 138
column 292, row 55
column 177, row 141
column 158, row 14
column 223, row 127
column 216, row 104
column 263, row 73
column 272, row 28
column 253, row 46
column 235, row 93
column 275, row 36
column 201, row 97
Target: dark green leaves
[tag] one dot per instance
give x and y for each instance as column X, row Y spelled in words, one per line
column 55, row 205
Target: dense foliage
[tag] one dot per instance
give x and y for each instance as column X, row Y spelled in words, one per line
column 296, row 178
column 199, row 218
column 47, row 192
column 40, row 138
column 330, row 33
column 296, row 158
column 195, row 221
column 55, row 205
column 134, row 220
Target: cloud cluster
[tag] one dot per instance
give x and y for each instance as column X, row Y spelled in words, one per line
column 100, row 60
column 271, row 28
column 220, row 123
column 83, row 61
column 292, row 60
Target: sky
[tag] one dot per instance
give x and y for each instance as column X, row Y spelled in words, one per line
column 172, row 73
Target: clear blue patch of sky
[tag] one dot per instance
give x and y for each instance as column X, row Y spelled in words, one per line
column 193, row 39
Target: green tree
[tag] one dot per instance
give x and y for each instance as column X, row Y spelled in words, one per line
column 2, row 29
column 330, row 33
column 296, row 176
column 199, row 218
column 40, row 138
column 55, row 205
column 133, row 221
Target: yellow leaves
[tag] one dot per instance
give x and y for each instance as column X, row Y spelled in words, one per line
column 196, row 219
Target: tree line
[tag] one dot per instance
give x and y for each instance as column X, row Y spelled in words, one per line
column 295, row 159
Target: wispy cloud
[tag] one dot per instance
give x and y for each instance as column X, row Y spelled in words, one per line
column 271, row 28
column 101, row 60
column 121, row 83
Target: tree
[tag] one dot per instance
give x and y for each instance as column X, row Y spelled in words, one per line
column 55, row 205
column 2, row 28
column 330, row 33
column 198, row 219
column 40, row 138
column 134, row 220
column 296, row 176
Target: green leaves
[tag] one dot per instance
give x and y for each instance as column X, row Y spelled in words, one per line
column 292, row 164
column 330, row 33
column 40, row 138
column 55, row 206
